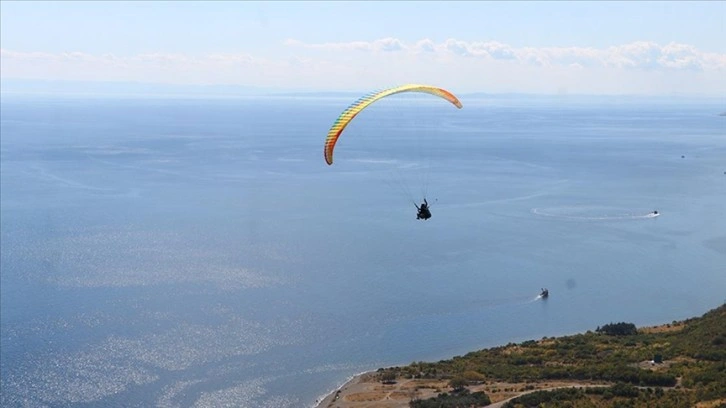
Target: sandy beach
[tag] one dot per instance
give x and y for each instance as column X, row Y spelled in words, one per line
column 365, row 390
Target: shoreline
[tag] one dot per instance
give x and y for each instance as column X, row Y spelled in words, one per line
column 330, row 397
column 363, row 390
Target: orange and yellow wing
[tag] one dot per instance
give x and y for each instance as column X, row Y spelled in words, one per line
column 356, row 107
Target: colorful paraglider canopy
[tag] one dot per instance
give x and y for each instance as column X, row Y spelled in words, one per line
column 356, row 107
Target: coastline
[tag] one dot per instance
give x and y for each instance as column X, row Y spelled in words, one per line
column 364, row 390
column 330, row 398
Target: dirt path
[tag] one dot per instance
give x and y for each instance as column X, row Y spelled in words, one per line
column 501, row 403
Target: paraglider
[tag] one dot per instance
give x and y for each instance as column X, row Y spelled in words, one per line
column 423, row 211
column 356, row 107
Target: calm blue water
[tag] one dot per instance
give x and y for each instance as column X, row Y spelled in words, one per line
column 179, row 253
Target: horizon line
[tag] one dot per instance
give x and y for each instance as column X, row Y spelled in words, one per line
column 149, row 89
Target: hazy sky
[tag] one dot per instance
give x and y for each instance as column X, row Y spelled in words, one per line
column 542, row 47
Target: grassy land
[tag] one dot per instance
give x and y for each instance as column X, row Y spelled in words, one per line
column 618, row 357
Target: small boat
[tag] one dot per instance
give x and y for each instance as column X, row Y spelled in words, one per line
column 545, row 293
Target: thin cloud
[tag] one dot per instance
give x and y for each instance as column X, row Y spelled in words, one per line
column 425, row 45
column 636, row 55
column 383, row 44
column 637, row 68
column 175, row 68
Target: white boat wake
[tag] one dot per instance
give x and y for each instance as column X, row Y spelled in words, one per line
column 592, row 214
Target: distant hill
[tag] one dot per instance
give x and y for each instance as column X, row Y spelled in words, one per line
column 61, row 88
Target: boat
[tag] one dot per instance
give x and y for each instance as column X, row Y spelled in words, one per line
column 545, row 293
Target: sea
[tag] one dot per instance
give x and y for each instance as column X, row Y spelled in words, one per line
column 199, row 252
